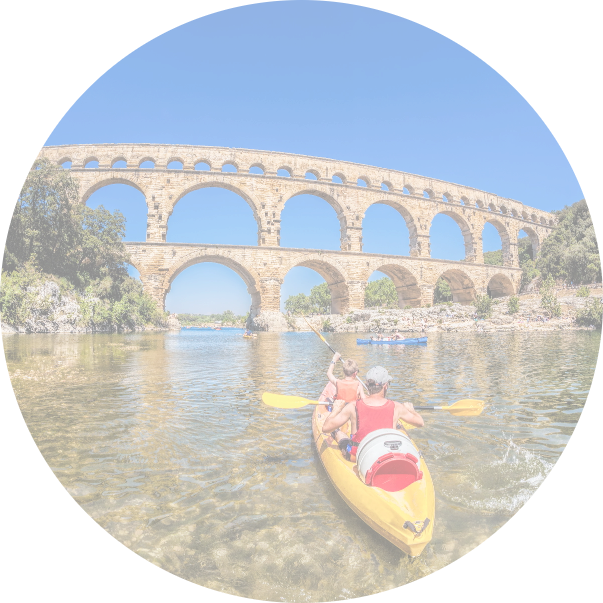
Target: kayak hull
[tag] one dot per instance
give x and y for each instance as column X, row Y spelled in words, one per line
column 411, row 341
column 404, row 518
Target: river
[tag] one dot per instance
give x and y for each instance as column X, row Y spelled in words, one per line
column 163, row 439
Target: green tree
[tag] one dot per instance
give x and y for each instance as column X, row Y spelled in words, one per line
column 513, row 305
column 381, row 293
column 493, row 257
column 591, row 314
column 442, row 292
column 483, row 306
column 548, row 297
column 320, row 299
column 570, row 253
column 298, row 304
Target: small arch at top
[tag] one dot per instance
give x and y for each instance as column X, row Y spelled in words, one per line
column 175, row 164
column 312, row 175
column 65, row 163
column 147, row 163
column 338, row 178
column 202, row 166
column 230, row 167
column 91, row 162
column 386, row 186
column 257, row 168
column 119, row 162
column 284, row 172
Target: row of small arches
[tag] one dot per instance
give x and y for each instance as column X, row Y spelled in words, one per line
column 338, row 178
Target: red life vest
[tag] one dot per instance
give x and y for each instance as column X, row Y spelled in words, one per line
column 346, row 390
column 371, row 418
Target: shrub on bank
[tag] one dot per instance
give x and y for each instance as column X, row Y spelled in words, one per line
column 591, row 314
column 483, row 306
column 583, row 291
column 548, row 297
column 513, row 305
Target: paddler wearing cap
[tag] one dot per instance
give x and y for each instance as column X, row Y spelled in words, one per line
column 372, row 413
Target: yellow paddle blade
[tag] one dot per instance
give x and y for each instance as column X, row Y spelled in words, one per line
column 465, row 408
column 405, row 425
column 279, row 401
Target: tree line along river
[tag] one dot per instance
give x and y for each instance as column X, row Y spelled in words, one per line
column 163, row 439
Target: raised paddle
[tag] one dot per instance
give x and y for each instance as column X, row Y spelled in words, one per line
column 334, row 352
column 462, row 408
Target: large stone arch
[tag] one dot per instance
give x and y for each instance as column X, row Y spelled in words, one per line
column 534, row 238
column 461, row 284
column 215, row 183
column 465, row 231
column 104, row 180
column 507, row 244
column 500, row 285
column 405, row 281
column 336, row 205
column 247, row 273
column 333, row 273
column 408, row 218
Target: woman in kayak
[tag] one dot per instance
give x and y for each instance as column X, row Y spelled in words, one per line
column 372, row 413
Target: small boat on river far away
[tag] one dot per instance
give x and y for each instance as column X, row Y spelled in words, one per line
column 411, row 341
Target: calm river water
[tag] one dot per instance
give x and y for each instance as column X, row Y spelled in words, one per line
column 163, row 439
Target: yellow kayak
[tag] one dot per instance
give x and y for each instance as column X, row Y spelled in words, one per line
column 405, row 518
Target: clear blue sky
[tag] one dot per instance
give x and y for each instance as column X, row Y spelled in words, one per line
column 323, row 79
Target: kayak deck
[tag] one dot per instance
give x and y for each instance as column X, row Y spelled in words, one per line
column 405, row 518
column 413, row 340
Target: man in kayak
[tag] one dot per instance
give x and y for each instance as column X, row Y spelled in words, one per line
column 372, row 413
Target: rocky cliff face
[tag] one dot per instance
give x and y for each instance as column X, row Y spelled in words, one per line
column 53, row 312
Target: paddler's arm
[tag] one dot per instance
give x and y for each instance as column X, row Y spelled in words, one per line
column 340, row 415
column 330, row 375
column 408, row 414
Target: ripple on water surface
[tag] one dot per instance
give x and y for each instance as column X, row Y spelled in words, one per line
column 163, row 440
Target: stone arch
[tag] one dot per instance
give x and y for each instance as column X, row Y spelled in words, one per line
column 172, row 159
column 233, row 163
column 108, row 181
column 258, row 165
column 339, row 209
column 145, row 159
column 287, row 169
column 408, row 218
column 117, row 160
column 220, row 184
column 341, row 176
column 249, row 276
column 505, row 238
column 461, row 285
column 89, row 159
column 405, row 281
column 364, row 179
column 388, row 185
column 64, row 160
column 333, row 273
column 500, row 285
column 314, row 173
column 534, row 239
column 196, row 162
column 408, row 189
column 465, row 231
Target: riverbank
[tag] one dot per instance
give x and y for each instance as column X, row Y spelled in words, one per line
column 446, row 317
column 51, row 311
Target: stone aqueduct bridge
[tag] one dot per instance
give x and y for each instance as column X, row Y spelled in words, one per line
column 349, row 188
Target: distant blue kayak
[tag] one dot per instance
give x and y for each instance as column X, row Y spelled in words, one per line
column 394, row 342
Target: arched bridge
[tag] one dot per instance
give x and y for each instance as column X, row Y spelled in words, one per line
column 267, row 180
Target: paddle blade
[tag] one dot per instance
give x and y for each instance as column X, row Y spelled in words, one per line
column 465, row 408
column 285, row 402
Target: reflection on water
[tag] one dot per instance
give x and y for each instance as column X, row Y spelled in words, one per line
column 163, row 440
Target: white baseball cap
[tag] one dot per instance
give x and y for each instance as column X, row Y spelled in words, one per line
column 379, row 375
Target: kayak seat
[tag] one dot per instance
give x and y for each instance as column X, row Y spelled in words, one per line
column 394, row 472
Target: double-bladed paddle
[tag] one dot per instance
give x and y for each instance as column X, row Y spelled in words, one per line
column 462, row 408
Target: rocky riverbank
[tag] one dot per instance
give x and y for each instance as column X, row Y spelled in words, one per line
column 50, row 311
column 441, row 317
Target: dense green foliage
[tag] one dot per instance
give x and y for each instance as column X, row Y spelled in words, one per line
column 318, row 302
column 513, row 305
column 493, row 257
column 548, row 297
column 381, row 293
column 53, row 237
column 583, row 292
column 226, row 318
column 570, row 253
column 592, row 313
column 442, row 292
column 483, row 306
